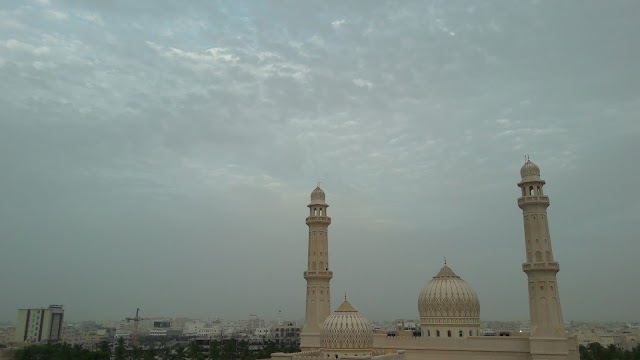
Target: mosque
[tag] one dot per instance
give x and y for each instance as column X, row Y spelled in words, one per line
column 448, row 306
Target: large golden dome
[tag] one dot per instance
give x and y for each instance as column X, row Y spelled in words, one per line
column 447, row 299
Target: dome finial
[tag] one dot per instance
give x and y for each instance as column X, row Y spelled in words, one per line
column 445, row 260
column 345, row 296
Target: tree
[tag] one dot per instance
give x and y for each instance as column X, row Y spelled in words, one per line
column 120, row 352
column 229, row 349
column 180, row 354
column 195, row 351
column 150, row 354
column 136, row 353
column 214, row 350
column 105, row 348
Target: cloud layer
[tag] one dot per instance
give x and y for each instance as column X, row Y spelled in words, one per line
column 160, row 154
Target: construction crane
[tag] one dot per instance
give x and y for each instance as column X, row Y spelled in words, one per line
column 134, row 333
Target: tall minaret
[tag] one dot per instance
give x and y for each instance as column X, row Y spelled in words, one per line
column 541, row 269
column 317, row 274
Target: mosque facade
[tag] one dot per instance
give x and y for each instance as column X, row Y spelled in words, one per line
column 448, row 307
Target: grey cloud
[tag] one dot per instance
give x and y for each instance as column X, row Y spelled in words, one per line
column 150, row 149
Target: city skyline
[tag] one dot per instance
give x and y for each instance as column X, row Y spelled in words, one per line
column 160, row 156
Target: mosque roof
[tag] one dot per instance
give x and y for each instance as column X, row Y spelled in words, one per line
column 529, row 169
column 448, row 297
column 346, row 329
column 317, row 196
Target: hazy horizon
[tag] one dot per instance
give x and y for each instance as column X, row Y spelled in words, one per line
column 160, row 154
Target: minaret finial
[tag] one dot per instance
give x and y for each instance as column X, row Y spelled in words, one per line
column 318, row 184
column 345, row 296
column 445, row 260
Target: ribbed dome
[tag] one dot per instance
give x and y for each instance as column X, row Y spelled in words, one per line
column 317, row 195
column 449, row 299
column 346, row 329
column 529, row 169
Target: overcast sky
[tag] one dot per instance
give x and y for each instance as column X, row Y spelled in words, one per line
column 160, row 154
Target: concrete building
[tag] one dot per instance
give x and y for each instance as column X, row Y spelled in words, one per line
column 449, row 308
column 253, row 323
column 287, row 333
column 39, row 324
column 7, row 335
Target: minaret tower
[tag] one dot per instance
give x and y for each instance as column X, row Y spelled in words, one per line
column 317, row 275
column 544, row 302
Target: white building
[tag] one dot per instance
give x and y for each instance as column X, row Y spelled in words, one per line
column 39, row 324
column 191, row 328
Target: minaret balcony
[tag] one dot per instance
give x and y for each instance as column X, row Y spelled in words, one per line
column 317, row 219
column 533, row 199
column 552, row 265
column 317, row 274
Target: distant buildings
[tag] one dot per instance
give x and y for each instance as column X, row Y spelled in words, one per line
column 39, row 324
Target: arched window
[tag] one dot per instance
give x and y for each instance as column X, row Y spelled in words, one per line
column 529, row 256
column 437, row 333
column 539, row 192
column 470, row 332
column 320, row 212
column 429, row 333
column 531, row 191
column 547, row 255
column 460, row 333
column 538, row 256
column 448, row 333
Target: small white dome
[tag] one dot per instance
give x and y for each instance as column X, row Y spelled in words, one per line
column 346, row 329
column 449, row 299
column 529, row 169
column 317, row 196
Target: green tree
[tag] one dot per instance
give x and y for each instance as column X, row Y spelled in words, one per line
column 180, row 354
column 137, row 353
column 195, row 352
column 105, row 348
column 150, row 354
column 120, row 351
column 229, row 349
column 165, row 353
column 214, row 350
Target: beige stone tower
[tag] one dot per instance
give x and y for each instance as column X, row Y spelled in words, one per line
column 541, row 269
column 318, row 276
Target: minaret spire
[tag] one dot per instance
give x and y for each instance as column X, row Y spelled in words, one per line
column 318, row 275
column 540, row 267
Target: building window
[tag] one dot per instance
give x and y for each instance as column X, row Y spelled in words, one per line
column 438, row 333
column 460, row 333
column 448, row 333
